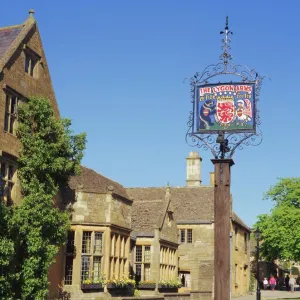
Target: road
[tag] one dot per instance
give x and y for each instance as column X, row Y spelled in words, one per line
column 271, row 295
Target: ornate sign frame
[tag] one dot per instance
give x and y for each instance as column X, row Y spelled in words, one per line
column 224, row 143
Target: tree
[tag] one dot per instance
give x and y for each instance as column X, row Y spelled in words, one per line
column 280, row 229
column 50, row 154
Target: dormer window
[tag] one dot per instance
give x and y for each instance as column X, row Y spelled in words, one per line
column 31, row 63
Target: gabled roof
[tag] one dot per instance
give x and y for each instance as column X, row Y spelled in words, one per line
column 239, row 221
column 188, row 204
column 193, row 203
column 148, row 208
column 90, row 181
column 11, row 38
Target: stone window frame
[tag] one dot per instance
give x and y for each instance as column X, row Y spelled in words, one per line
column 246, row 238
column 89, row 254
column 31, row 62
column 187, row 278
column 143, row 263
column 11, row 112
column 70, row 254
column 167, row 263
column 184, row 236
column 236, row 231
column 8, row 177
column 119, row 255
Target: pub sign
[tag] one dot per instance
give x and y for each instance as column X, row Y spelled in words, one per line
column 224, row 107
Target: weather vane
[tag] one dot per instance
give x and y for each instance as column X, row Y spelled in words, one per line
column 225, row 115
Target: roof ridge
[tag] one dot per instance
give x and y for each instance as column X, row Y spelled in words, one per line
column 11, row 26
column 103, row 176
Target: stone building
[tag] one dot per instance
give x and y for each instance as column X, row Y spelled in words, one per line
column 193, row 213
column 155, row 233
column 23, row 73
column 99, row 240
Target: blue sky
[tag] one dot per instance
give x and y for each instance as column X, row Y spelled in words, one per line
column 118, row 70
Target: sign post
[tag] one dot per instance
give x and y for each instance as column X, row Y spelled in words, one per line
column 224, row 118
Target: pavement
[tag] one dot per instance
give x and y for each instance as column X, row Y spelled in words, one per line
column 271, row 295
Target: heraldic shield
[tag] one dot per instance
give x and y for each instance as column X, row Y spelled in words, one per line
column 225, row 109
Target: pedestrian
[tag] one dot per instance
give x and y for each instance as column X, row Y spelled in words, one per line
column 286, row 281
column 272, row 283
column 265, row 282
column 292, row 283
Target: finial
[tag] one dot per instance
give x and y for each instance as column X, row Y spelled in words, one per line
column 31, row 13
column 226, row 56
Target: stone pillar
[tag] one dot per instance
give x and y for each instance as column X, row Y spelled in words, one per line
column 107, row 250
column 155, row 263
column 126, row 254
column 77, row 260
column 222, row 207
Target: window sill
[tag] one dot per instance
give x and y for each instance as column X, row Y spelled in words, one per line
column 11, row 134
column 30, row 76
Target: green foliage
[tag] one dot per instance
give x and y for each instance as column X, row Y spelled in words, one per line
column 286, row 191
column 50, row 154
column 280, row 229
column 252, row 283
column 6, row 254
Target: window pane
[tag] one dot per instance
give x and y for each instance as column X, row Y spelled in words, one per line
column 182, row 236
column 97, row 267
column 86, row 242
column 147, row 272
column 85, row 267
column 147, row 253
column 13, row 105
column 69, row 270
column 7, row 103
column 122, row 246
column 27, row 63
column 70, row 242
column 138, row 253
column 3, row 170
column 189, row 236
column 11, row 124
column 138, row 272
column 6, row 122
column 10, row 172
column 98, row 242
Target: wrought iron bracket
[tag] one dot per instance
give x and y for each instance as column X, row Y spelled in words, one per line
column 231, row 140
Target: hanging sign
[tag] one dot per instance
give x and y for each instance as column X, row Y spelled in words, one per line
column 225, row 107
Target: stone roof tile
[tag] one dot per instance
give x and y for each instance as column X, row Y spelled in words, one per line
column 187, row 204
column 238, row 220
column 147, row 208
column 7, row 36
column 91, row 181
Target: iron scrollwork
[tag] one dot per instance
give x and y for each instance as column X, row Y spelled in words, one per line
column 233, row 140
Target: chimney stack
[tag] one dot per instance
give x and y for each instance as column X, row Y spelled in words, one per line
column 212, row 178
column 193, row 170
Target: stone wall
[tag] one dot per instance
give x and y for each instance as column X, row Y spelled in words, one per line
column 101, row 208
column 169, row 229
column 15, row 78
column 198, row 257
column 240, row 261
